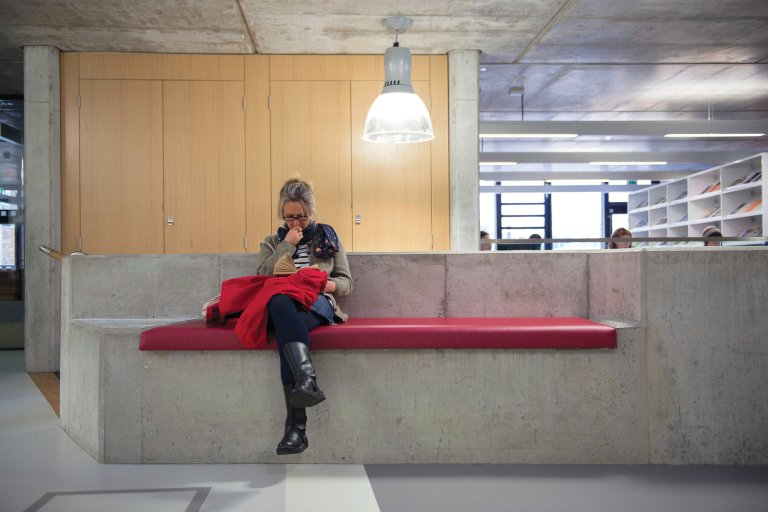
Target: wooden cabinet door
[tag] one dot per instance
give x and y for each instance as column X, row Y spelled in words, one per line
column 204, row 149
column 121, row 166
column 391, row 184
column 310, row 136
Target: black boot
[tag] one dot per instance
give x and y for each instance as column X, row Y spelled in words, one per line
column 305, row 391
column 295, row 438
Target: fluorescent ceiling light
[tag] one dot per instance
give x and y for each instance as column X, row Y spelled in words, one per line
column 632, row 128
column 529, row 135
column 498, row 163
column 628, row 163
column 714, row 135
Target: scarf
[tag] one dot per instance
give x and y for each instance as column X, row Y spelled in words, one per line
column 325, row 241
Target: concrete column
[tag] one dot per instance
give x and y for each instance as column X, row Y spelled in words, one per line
column 42, row 207
column 463, row 126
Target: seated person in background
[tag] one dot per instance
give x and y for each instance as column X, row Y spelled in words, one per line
column 485, row 246
column 620, row 233
column 522, row 247
column 537, row 245
column 714, row 232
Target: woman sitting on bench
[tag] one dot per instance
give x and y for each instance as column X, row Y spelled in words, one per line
column 309, row 243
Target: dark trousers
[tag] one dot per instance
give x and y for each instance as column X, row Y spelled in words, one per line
column 291, row 322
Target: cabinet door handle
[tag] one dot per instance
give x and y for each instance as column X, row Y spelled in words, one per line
column 170, row 220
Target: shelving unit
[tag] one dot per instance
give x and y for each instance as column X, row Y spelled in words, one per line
column 729, row 197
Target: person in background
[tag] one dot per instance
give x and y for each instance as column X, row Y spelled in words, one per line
column 713, row 232
column 485, row 246
column 535, row 246
column 309, row 243
column 620, row 233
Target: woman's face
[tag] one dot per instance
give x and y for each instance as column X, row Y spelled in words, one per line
column 294, row 215
column 624, row 245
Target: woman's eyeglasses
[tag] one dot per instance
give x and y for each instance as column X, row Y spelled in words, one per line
column 291, row 218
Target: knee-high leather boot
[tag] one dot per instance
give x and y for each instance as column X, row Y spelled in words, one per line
column 295, row 438
column 305, row 391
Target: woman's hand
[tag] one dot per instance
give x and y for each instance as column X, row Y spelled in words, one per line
column 294, row 235
column 330, row 286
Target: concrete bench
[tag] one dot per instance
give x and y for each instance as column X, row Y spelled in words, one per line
column 644, row 401
column 404, row 333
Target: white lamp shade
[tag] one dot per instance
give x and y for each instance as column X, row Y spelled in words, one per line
column 398, row 115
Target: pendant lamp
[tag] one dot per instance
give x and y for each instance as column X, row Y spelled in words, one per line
column 398, row 115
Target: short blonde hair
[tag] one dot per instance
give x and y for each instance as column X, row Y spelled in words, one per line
column 296, row 190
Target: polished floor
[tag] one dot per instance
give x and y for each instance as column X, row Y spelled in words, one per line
column 41, row 469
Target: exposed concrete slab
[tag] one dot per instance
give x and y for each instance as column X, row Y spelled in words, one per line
column 708, row 327
column 42, row 195
column 145, row 286
column 236, row 265
column 387, row 285
column 617, row 284
column 684, row 388
column 463, row 122
column 432, row 406
column 516, row 283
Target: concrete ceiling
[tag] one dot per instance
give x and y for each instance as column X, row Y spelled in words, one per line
column 564, row 60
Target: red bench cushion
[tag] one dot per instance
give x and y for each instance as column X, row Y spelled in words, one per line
column 404, row 333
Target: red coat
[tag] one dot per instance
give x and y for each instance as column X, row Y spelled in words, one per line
column 251, row 295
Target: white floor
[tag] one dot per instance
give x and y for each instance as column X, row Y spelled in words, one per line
column 41, row 469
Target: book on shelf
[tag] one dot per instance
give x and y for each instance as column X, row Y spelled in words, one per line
column 662, row 220
column 642, row 204
column 738, row 181
column 752, row 178
column 754, row 204
column 714, row 211
column 751, row 232
column 683, row 218
column 713, row 187
column 642, row 223
column 738, row 208
column 661, row 201
column 681, row 195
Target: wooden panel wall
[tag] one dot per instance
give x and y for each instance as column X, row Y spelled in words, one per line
column 260, row 212
column 69, row 66
column 310, row 136
column 204, row 163
column 391, row 184
column 153, row 66
column 121, row 166
column 224, row 153
column 441, row 189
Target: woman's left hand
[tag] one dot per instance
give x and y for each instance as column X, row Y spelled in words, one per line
column 330, row 286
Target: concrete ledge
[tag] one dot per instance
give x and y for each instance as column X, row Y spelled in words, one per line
column 384, row 406
column 685, row 385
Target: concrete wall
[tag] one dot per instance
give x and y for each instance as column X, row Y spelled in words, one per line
column 707, row 316
column 685, row 384
column 42, row 199
column 463, row 129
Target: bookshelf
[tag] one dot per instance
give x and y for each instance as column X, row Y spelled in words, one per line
column 729, row 196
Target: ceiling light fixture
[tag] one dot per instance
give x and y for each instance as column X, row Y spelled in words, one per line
column 628, row 163
column 498, row 163
column 710, row 135
column 529, row 135
column 398, row 115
